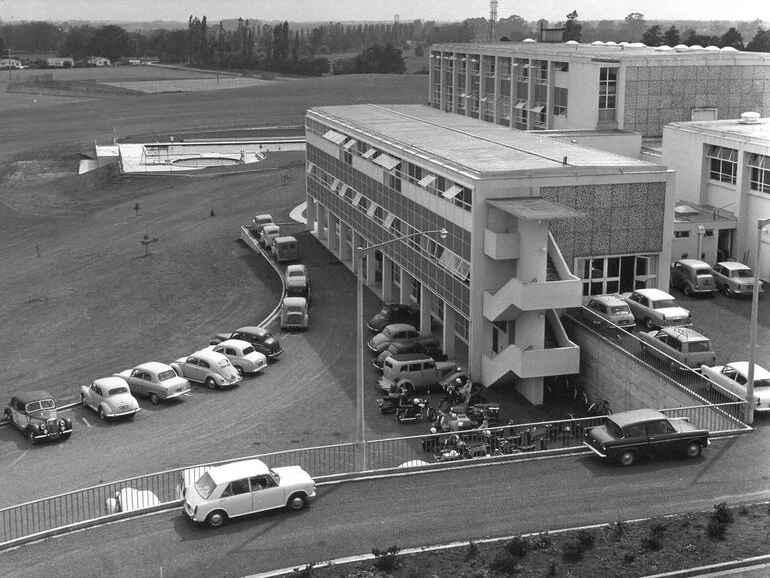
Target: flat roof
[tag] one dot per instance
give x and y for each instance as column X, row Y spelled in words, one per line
column 473, row 146
column 757, row 133
column 639, row 55
column 532, row 209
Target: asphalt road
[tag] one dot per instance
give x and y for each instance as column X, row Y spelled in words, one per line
column 432, row 508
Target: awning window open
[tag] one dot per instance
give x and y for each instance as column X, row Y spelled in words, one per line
column 426, row 181
column 452, row 192
column 334, row 136
column 520, row 105
column 369, row 153
column 349, row 144
column 387, row 162
column 538, row 108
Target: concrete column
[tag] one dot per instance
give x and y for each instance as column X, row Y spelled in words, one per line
column 321, row 220
column 371, row 267
column 532, row 389
column 333, row 242
column 426, row 305
column 448, row 331
column 310, row 214
column 406, row 285
column 387, row 279
column 344, row 249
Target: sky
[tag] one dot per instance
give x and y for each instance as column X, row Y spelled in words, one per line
column 377, row 10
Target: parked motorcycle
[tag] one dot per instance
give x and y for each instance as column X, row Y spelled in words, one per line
column 459, row 447
column 416, row 411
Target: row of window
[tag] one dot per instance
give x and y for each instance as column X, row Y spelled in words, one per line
column 449, row 260
column 723, row 167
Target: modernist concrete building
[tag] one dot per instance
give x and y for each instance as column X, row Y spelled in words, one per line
column 533, row 86
column 522, row 212
column 725, row 166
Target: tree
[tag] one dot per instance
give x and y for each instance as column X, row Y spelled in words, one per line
column 760, row 42
column 76, row 42
column 419, row 51
column 112, row 42
column 732, row 38
column 671, row 36
column 573, row 30
column 634, row 26
column 653, row 36
column 379, row 60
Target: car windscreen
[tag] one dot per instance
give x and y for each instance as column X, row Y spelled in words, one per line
column 384, row 311
column 663, row 304
column 247, row 350
column 117, row 390
column 699, row 346
column 204, row 486
column 618, row 309
column 168, row 374
column 40, row 405
column 614, row 429
column 703, row 272
column 742, row 273
column 223, row 362
column 762, row 383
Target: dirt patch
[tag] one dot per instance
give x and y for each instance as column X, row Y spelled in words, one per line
column 620, row 549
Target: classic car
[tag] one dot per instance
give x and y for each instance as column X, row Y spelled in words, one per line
column 259, row 337
column 416, row 372
column 431, row 348
column 268, row 234
column 297, row 282
column 242, row 355
column 208, row 367
column 34, row 414
column 109, row 397
column 131, row 500
column 692, row 276
column 734, row 377
column 733, row 278
column 393, row 313
column 611, row 308
column 627, row 436
column 682, row 344
column 156, row 380
column 284, row 248
column 400, row 332
column 294, row 313
column 259, row 221
column 241, row 488
column 656, row 308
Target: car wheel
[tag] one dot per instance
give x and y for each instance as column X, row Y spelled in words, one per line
column 100, row 413
column 694, row 450
column 628, row 458
column 216, row 519
column 83, row 400
column 131, row 415
column 239, row 369
column 432, row 414
column 649, row 324
column 687, row 289
column 408, row 387
column 154, row 398
column 210, row 383
column 31, row 437
column 296, row 502
column 643, row 347
column 726, row 290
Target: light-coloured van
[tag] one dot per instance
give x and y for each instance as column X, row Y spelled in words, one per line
column 294, row 313
column 284, row 249
column 268, row 235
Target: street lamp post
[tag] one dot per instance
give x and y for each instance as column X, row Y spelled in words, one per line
column 360, row 429
column 749, row 418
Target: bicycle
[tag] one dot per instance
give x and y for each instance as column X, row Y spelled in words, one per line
column 601, row 407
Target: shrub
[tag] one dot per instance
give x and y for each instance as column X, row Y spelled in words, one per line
column 654, row 540
column 576, row 547
column 586, row 539
column 385, row 560
column 541, row 541
column 505, row 563
column 720, row 520
column 473, row 550
column 517, row 546
column 553, row 569
column 305, row 572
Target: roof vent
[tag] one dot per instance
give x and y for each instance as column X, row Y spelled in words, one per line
column 684, row 210
column 750, row 118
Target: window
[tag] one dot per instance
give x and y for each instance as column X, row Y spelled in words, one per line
column 561, row 66
column 347, row 157
column 681, row 234
column 760, row 173
column 560, row 101
column 334, row 136
column 608, row 85
column 394, row 180
column 723, row 164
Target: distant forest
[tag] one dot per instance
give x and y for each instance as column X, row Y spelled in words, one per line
column 303, row 48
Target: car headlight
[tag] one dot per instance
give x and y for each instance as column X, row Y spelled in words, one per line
column 42, row 427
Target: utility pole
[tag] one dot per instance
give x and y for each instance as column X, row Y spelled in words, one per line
column 492, row 20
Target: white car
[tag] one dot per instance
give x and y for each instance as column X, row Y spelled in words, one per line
column 156, row 380
column 268, row 235
column 109, row 397
column 244, row 487
column 296, row 274
column 131, row 500
column 735, row 376
column 208, row 367
column 733, row 278
column 655, row 308
column 242, row 355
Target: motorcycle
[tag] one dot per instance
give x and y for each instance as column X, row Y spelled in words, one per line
column 416, row 411
column 457, row 447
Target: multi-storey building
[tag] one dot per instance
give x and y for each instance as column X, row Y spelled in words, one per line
column 522, row 212
column 534, row 86
column 725, row 165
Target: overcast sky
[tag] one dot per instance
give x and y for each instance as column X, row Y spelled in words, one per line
column 376, row 10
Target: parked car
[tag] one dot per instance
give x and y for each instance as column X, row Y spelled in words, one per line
column 430, row 348
column 394, row 313
column 680, row 343
column 734, row 377
column 284, row 248
column 268, row 234
column 294, row 313
column 656, row 308
column 109, row 397
column 628, row 436
column 733, row 278
column 242, row 355
column 259, row 222
column 131, row 500
column 34, row 414
column 208, row 367
column 242, row 488
column 259, row 337
column 157, row 381
column 612, row 308
column 416, row 372
column 298, row 282
column 401, row 332
column 692, row 276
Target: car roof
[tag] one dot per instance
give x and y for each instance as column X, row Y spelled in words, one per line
column 286, row 239
column 155, row 366
column 653, row 293
column 685, row 334
column 271, row 228
column 237, row 470
column 113, row 381
column 294, row 301
column 411, row 357
column 733, row 265
column 253, row 329
column 693, row 262
column 235, row 343
column 208, row 354
column 400, row 327
column 296, row 267
column 34, row 395
column 743, row 367
column 264, row 216
column 625, row 418
column 608, row 299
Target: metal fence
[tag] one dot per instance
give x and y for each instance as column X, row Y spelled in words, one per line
column 72, row 510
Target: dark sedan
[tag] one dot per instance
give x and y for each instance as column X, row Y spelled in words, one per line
column 394, row 313
column 627, row 436
column 259, row 337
